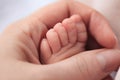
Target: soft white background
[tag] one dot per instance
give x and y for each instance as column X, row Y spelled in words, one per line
column 12, row 10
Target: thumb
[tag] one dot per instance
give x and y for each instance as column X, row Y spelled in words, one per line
column 89, row 65
column 101, row 30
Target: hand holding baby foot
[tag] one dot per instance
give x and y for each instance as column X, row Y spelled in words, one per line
column 64, row 40
column 20, row 42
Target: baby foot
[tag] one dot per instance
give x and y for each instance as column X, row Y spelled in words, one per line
column 64, row 40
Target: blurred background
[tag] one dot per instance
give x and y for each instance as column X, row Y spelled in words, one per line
column 12, row 10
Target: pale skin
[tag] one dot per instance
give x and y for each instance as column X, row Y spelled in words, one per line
column 20, row 42
column 112, row 13
column 64, row 40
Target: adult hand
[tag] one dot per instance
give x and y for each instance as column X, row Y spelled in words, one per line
column 19, row 47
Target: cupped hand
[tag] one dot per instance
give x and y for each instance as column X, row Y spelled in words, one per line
column 19, row 49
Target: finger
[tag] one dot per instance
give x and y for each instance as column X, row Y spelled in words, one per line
column 103, row 33
column 62, row 34
column 71, row 29
column 53, row 13
column 53, row 40
column 46, row 52
column 97, row 25
column 81, row 66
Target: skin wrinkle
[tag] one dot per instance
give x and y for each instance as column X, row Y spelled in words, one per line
column 20, row 32
column 36, row 26
column 26, row 33
column 23, row 44
column 36, row 39
column 81, row 67
column 87, row 62
column 84, row 69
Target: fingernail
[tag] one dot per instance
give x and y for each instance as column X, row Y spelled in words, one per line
column 109, row 59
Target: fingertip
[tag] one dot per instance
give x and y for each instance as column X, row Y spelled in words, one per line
column 45, row 51
column 101, row 31
column 108, row 39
